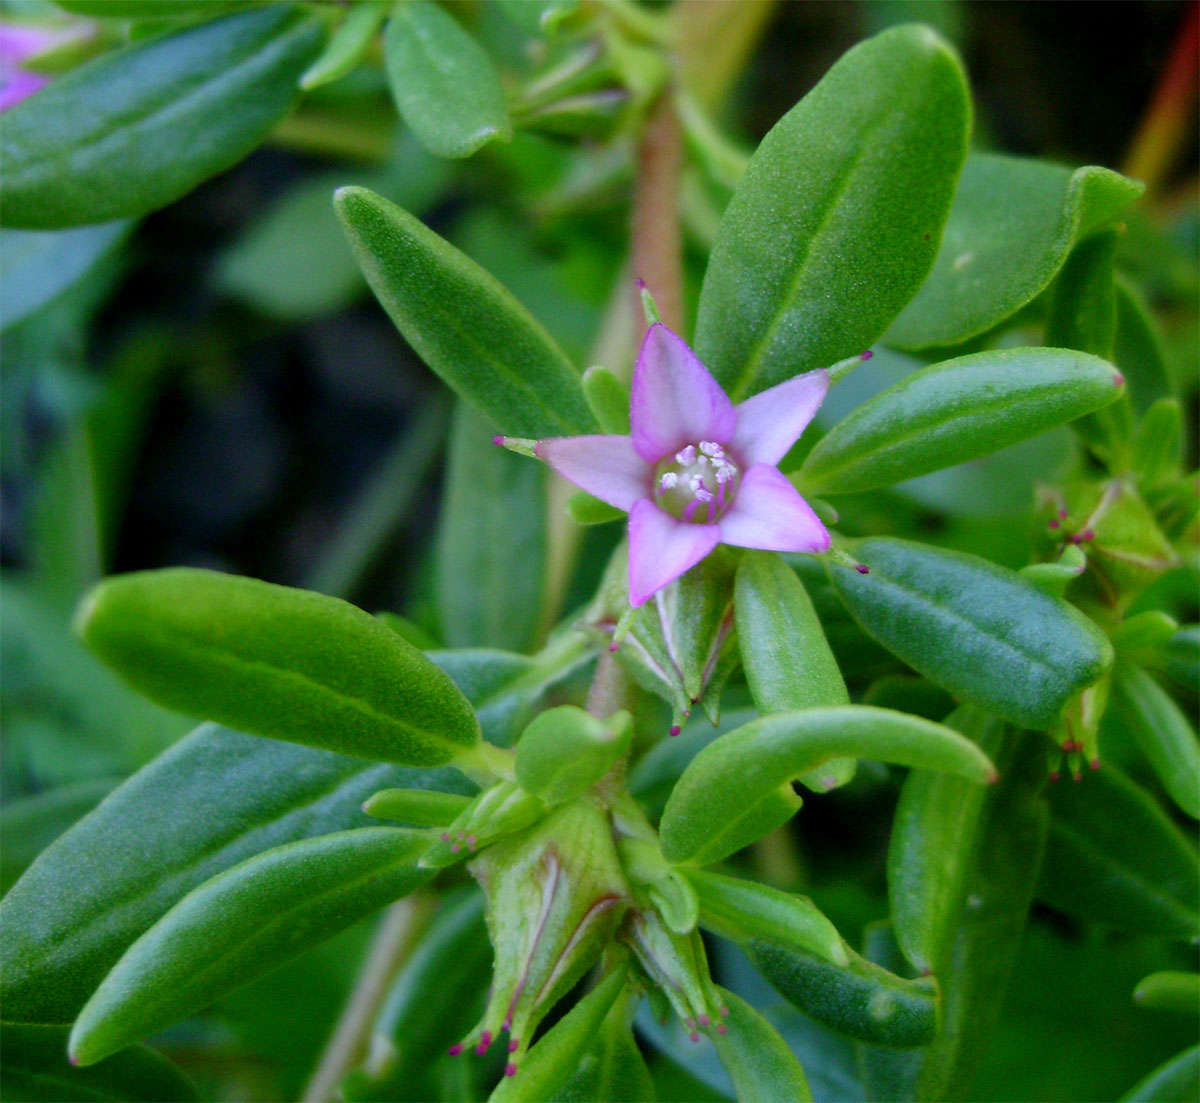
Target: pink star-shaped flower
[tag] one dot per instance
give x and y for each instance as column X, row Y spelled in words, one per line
column 696, row 471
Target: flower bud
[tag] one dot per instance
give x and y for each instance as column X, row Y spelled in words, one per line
column 678, row 966
column 555, row 897
column 680, row 645
column 503, row 809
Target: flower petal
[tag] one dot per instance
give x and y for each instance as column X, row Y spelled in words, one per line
column 674, row 400
column 770, row 423
column 769, row 513
column 606, row 466
column 661, row 549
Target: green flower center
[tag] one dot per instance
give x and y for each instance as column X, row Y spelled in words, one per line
column 697, row 484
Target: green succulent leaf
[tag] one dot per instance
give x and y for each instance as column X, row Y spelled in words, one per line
column 134, row 130
column 613, row 1068
column 932, row 848
column 727, row 780
column 346, row 46
column 1114, row 858
column 860, row 999
column 36, row 1069
column 565, row 751
column 444, row 83
column 836, row 221
column 956, row 411
column 1169, row 991
column 785, row 655
column 242, row 923
column 270, row 660
column 1162, row 731
column 743, row 910
column 38, row 265
column 553, row 1061
column 758, row 1060
column 1013, row 223
column 1138, row 349
column 416, row 807
column 491, row 541
column 463, row 323
column 255, row 794
column 1175, row 1081
column 976, row 629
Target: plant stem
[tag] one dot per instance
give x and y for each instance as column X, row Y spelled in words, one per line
column 398, row 930
column 657, row 244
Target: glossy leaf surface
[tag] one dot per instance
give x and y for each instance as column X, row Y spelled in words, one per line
column 256, row 794
column 1177, row 1081
column 444, row 83
column 134, row 130
column 974, row 628
column 276, row 661
column 242, row 923
column 957, row 411
column 463, row 323
column 835, row 223
column 726, row 781
column 1013, row 223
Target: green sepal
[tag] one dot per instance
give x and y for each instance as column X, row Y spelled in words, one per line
column 274, row 661
column 1143, row 634
column 804, row 275
column 608, row 398
column 1054, row 578
column 136, row 129
column 784, row 653
column 242, row 923
column 974, row 628
column 743, row 910
column 463, row 323
column 726, row 782
column 416, row 807
column 444, row 83
column 859, row 999
column 762, row 1067
column 550, row 1064
column 1158, row 444
column 565, row 751
column 1174, row 1081
column 957, row 411
column 501, row 810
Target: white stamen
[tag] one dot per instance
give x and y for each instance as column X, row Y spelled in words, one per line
column 710, row 448
column 686, row 456
column 703, row 494
column 695, row 484
column 725, row 472
column 669, row 480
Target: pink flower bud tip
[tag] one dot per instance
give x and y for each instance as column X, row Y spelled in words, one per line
column 993, row 777
column 1068, row 745
column 1095, row 764
column 1054, row 524
column 613, row 646
column 498, row 440
column 675, row 729
column 704, row 1020
column 513, row 1045
column 722, row 1028
column 866, row 355
column 1087, row 534
column 724, row 1011
column 1118, row 380
column 455, row 848
column 693, row 1037
column 471, row 842
column 1064, row 514
column 455, row 1049
column 510, row 1069
column 1055, row 776
column 73, row 1059
column 640, row 283
column 862, row 568
column 445, row 836
column 485, row 1042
